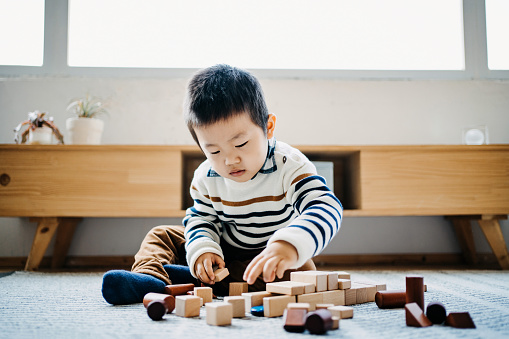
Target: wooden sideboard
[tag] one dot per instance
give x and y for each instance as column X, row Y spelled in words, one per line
column 57, row 185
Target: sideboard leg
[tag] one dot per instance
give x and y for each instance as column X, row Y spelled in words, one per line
column 45, row 230
column 493, row 233
column 465, row 237
column 63, row 241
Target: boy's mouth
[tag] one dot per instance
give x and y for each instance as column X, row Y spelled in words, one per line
column 237, row 173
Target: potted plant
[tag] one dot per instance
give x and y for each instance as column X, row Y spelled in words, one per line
column 85, row 127
column 39, row 130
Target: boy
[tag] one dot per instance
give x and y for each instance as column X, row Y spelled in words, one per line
column 259, row 208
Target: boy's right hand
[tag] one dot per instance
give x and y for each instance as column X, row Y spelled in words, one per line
column 203, row 267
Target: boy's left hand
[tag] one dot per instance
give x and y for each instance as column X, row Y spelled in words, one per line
column 273, row 260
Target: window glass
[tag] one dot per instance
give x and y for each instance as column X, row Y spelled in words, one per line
column 21, row 32
column 497, row 34
column 268, row 34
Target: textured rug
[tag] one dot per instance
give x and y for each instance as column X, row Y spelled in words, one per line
column 70, row 305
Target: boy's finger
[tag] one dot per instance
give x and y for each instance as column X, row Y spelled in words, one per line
column 255, row 271
column 208, row 270
column 269, row 269
column 281, row 268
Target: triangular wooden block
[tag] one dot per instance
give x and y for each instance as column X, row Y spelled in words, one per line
column 415, row 316
column 460, row 320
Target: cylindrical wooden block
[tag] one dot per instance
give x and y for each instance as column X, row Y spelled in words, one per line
column 319, row 321
column 167, row 299
column 390, row 299
column 415, row 290
column 179, row 289
column 435, row 311
column 156, row 309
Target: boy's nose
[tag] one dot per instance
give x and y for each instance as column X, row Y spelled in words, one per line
column 232, row 160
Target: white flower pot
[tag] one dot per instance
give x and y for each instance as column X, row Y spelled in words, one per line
column 84, row 131
column 40, row 136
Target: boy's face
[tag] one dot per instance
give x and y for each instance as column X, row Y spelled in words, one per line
column 236, row 147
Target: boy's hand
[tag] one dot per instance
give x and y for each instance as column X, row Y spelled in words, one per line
column 273, row 260
column 204, row 264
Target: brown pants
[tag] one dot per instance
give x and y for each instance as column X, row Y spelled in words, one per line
column 166, row 245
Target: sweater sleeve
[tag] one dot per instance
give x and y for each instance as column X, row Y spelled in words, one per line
column 319, row 211
column 202, row 227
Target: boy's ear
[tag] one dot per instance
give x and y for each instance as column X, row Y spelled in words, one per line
column 271, row 125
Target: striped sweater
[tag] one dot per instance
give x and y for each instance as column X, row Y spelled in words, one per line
column 286, row 201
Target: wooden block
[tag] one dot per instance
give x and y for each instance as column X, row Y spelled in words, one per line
column 379, row 286
column 320, row 279
column 332, row 281
column 237, row 288
column 187, row 306
column 344, row 284
column 239, row 305
column 435, row 311
column 219, row 313
column 323, row 306
column 305, row 306
column 350, row 296
column 415, row 290
column 286, row 287
column 156, row 309
column 343, row 312
column 336, row 297
column 275, row 306
column 253, row 299
column 179, row 289
column 415, row 317
column 390, row 299
column 370, row 291
column 220, row 274
column 205, row 293
column 312, row 299
column 319, row 321
column 294, row 320
column 344, row 275
column 459, row 320
column 361, row 293
column 335, row 323
column 167, row 299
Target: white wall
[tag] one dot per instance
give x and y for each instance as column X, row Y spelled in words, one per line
column 378, row 112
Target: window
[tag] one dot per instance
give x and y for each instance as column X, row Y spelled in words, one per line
column 268, row 34
column 21, row 32
column 497, row 29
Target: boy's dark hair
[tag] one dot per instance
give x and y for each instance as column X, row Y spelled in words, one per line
column 220, row 92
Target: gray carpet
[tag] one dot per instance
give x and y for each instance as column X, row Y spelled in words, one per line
column 70, row 305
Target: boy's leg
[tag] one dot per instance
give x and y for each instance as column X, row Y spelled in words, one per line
column 162, row 246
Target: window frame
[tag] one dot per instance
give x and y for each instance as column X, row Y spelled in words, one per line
column 55, row 56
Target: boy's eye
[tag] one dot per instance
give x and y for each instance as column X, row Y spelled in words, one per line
column 241, row 145
column 216, row 152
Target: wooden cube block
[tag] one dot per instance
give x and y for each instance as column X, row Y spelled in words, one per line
column 294, row 320
column 336, row 297
column 205, row 293
column 335, row 323
column 344, row 275
column 344, row 312
column 312, row 299
column 305, row 306
column 370, row 291
column 344, row 284
column 379, row 286
column 219, row 313
column 237, row 288
column 255, row 298
column 275, row 306
column 220, row 274
column 361, row 291
column 350, row 296
column 332, row 282
column 320, row 279
column 323, row 306
column 286, row 287
column 187, row 306
column 415, row 317
column 239, row 305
